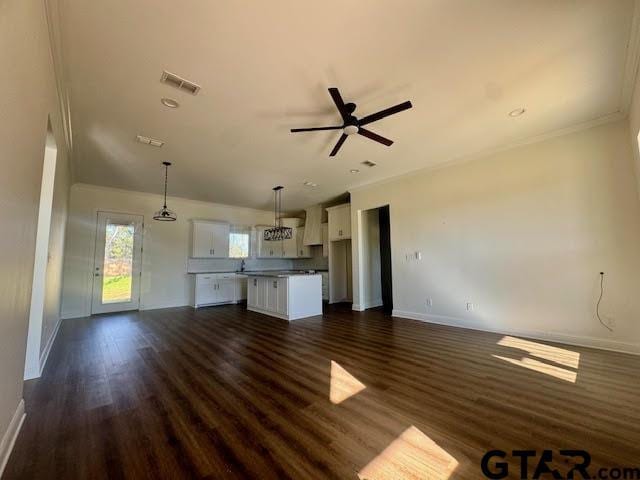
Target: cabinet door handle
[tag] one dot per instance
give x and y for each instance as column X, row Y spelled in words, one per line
column 275, row 284
column 255, row 282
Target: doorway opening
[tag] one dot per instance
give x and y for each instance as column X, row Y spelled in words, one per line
column 376, row 276
column 43, row 311
column 118, row 263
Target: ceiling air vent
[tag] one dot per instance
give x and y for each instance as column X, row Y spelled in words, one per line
column 154, row 142
column 369, row 163
column 179, row 83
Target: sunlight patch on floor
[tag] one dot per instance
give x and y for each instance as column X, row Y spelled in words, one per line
column 541, row 367
column 343, row 385
column 412, row 455
column 559, row 355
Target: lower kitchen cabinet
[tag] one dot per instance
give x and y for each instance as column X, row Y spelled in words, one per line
column 216, row 289
column 288, row 297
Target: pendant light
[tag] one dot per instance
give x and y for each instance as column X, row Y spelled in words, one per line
column 277, row 232
column 164, row 214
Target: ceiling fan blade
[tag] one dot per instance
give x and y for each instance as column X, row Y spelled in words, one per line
column 341, row 140
column 337, row 99
column 374, row 136
column 374, row 117
column 313, row 129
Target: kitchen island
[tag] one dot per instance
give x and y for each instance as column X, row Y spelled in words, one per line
column 283, row 294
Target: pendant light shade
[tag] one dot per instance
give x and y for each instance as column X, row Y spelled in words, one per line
column 164, row 214
column 277, row 232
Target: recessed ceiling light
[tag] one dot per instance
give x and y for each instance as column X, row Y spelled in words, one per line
column 149, row 141
column 310, row 184
column 369, row 163
column 170, row 102
column 517, row 112
column 354, row 170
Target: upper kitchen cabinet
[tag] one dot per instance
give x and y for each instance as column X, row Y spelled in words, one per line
column 267, row 249
column 303, row 250
column 340, row 222
column 290, row 246
column 325, row 239
column 210, row 239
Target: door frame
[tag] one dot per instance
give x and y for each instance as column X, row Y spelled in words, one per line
column 134, row 304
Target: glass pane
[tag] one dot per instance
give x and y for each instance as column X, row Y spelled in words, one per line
column 118, row 263
column 238, row 245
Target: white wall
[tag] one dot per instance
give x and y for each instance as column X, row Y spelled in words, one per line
column 522, row 234
column 29, row 96
column 165, row 282
column 634, row 129
column 370, row 279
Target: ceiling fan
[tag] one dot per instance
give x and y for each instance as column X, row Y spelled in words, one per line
column 354, row 125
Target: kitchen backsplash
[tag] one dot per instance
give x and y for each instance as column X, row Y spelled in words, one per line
column 315, row 263
column 206, row 265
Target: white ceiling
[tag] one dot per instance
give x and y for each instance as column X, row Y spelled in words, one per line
column 264, row 67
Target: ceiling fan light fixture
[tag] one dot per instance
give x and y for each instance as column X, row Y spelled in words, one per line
column 350, row 129
column 164, row 214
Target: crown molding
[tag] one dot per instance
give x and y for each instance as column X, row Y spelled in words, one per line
column 632, row 61
column 52, row 13
column 159, row 196
column 609, row 118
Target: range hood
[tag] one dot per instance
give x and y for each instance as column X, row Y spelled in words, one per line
column 313, row 226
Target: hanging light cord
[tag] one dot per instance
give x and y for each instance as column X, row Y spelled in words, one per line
column 166, row 173
column 598, row 304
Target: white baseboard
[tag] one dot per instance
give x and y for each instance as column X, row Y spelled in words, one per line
column 357, row 307
column 44, row 356
column 374, row 304
column 579, row 341
column 10, row 436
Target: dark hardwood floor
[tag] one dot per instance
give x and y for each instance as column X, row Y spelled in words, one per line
column 225, row 393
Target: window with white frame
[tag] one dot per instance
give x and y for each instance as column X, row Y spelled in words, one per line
column 239, row 241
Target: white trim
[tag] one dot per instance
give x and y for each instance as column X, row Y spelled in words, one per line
column 357, row 307
column 374, row 304
column 44, row 356
column 10, row 436
column 579, row 341
column 604, row 119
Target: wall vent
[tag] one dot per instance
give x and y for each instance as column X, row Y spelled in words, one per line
column 369, row 163
column 154, row 142
column 179, row 83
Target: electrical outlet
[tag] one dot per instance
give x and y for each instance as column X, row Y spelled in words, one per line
column 469, row 307
column 429, row 302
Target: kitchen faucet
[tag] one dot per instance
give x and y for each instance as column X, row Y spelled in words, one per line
column 242, row 265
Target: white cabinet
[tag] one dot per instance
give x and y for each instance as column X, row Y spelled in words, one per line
column 290, row 298
column 214, row 288
column 210, row 239
column 252, row 292
column 325, row 239
column 290, row 246
column 302, row 251
column 339, row 222
column 325, row 285
column 267, row 249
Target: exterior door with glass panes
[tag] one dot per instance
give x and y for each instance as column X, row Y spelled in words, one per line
column 118, row 263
